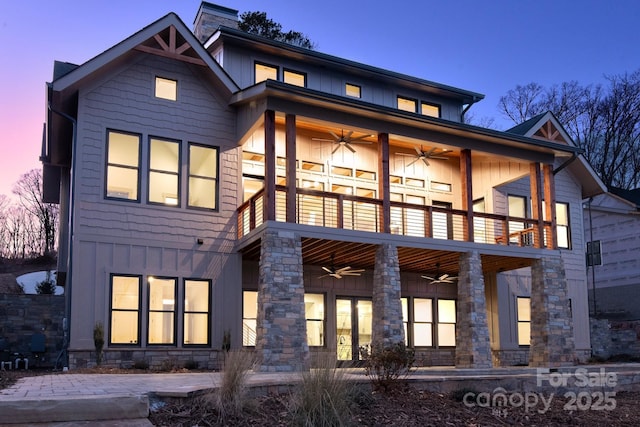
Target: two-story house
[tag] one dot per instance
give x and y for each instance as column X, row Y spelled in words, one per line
column 223, row 189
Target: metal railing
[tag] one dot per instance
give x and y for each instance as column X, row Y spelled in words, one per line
column 349, row 212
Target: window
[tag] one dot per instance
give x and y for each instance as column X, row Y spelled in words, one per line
column 125, row 310
column 166, row 89
column 249, row 317
column 423, row 322
column 162, row 306
column 123, row 165
column 446, row 322
column 164, row 162
column 562, row 225
column 440, row 186
column 353, row 90
column 264, row 72
column 431, row 110
column 518, row 208
column 404, row 302
column 407, row 104
column 594, row 253
column 196, row 312
column 295, row 78
column 314, row 313
column 523, row 307
column 203, row 177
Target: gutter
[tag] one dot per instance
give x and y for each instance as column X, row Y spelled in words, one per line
column 66, row 323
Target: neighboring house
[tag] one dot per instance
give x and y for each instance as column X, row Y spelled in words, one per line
column 223, row 190
column 612, row 224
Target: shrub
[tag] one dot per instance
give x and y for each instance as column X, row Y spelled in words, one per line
column 232, row 388
column 46, row 287
column 324, row 397
column 98, row 341
column 387, row 365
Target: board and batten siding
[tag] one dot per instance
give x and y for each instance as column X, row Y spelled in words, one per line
column 121, row 237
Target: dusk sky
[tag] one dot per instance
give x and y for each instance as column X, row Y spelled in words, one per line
column 483, row 46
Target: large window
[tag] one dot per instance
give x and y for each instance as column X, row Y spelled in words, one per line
column 422, row 322
column 446, row 322
column 196, row 312
column 164, row 176
column 264, row 72
column 314, row 313
column 123, row 165
column 523, row 308
column 203, row 176
column 125, row 310
column 162, row 306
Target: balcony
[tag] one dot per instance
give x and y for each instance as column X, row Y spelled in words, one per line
column 348, row 212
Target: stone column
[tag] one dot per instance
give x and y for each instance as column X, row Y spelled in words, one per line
column 388, row 328
column 551, row 323
column 281, row 342
column 473, row 347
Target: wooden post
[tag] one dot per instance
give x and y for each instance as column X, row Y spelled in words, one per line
column 270, row 165
column 290, row 142
column 383, row 181
column 550, row 205
column 535, row 176
column 467, row 193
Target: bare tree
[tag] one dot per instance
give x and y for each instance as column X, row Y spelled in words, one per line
column 45, row 215
column 604, row 121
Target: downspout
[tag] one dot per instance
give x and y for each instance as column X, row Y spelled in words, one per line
column 66, row 326
column 593, row 267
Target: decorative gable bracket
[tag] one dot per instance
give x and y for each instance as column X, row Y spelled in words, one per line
column 170, row 44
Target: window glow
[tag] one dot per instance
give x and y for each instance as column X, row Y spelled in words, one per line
column 353, row 90
column 295, row 78
column 203, row 176
column 407, row 104
column 166, row 89
column 123, row 165
column 125, row 306
column 162, row 296
column 164, row 160
column 524, row 320
column 314, row 313
column 446, row 322
column 249, row 317
column 430, row 110
column 264, row 72
column 196, row 312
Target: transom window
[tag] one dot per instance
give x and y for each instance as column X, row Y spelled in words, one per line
column 164, row 162
column 196, row 312
column 407, row 104
column 264, row 72
column 295, row 78
column 523, row 307
column 162, row 307
column 166, row 89
column 125, row 310
column 123, row 165
column 352, row 90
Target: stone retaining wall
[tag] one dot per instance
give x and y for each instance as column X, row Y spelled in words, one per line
column 611, row 338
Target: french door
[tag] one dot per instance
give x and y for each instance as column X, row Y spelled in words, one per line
column 353, row 327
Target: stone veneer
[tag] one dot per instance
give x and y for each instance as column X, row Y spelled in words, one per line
column 387, row 328
column 473, row 349
column 281, row 342
column 552, row 342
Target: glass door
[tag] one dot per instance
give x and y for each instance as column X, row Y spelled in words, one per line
column 353, row 327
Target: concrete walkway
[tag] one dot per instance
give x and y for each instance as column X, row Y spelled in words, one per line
column 125, row 399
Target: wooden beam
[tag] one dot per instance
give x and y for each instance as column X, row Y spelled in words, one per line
column 467, row 193
column 550, row 205
column 383, row 182
column 270, row 165
column 290, row 145
column 166, row 54
column 535, row 178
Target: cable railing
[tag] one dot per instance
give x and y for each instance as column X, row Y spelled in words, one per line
column 343, row 211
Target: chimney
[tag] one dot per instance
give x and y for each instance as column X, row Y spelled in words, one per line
column 210, row 16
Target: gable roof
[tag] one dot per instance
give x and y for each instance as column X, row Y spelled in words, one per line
column 168, row 36
column 632, row 196
column 545, row 126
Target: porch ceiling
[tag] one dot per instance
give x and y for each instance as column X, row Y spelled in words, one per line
column 317, row 251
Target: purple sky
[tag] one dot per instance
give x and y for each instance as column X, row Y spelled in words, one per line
column 484, row 46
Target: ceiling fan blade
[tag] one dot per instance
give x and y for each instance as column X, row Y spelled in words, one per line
column 323, row 139
column 419, row 151
column 357, row 138
column 343, row 269
column 346, row 144
column 335, row 149
column 415, row 160
column 354, row 271
column 335, row 137
column 444, row 276
column 359, row 142
column 430, row 152
column 429, row 278
column 439, row 157
column 347, row 137
column 404, row 154
column 426, row 162
column 336, row 275
column 328, row 270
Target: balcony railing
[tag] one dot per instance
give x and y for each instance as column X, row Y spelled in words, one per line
column 323, row 209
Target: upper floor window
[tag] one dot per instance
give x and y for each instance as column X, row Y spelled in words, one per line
column 265, row 71
column 562, row 225
column 431, row 110
column 353, row 90
column 166, row 89
column 295, row 78
column 203, row 177
column 123, row 165
column 407, row 104
column 164, row 177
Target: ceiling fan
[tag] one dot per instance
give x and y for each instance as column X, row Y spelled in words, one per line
column 440, row 278
column 344, row 140
column 423, row 155
column 339, row 273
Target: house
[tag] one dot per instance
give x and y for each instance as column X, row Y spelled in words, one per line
column 224, row 190
column 611, row 223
